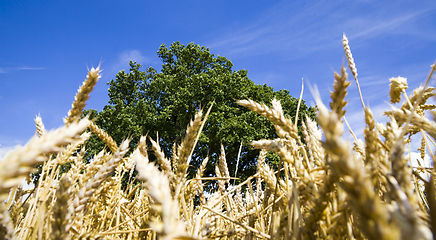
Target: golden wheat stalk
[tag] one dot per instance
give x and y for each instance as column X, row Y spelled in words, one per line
column 314, row 143
column 40, row 129
column 66, row 154
column 91, row 186
column 164, row 163
column 222, row 164
column 352, row 65
column 357, row 185
column 20, row 162
column 61, row 216
column 106, row 138
column 397, row 86
column 185, row 148
column 83, row 95
column 274, row 114
column 340, row 91
column 168, row 226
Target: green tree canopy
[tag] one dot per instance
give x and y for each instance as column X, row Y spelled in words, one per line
column 192, row 78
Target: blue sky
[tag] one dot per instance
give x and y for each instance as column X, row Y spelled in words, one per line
column 47, row 46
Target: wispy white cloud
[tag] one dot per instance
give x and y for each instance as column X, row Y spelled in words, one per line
column 276, row 31
column 132, row 55
column 370, row 81
column 30, row 68
column 12, row 69
column 384, row 24
column 297, row 29
column 122, row 62
column 269, row 76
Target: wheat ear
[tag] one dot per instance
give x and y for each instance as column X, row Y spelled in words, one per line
column 104, row 136
column 223, row 165
column 340, row 91
column 164, row 163
column 187, row 145
column 40, row 129
column 397, row 87
column 83, row 95
column 274, row 114
column 314, row 143
column 352, row 65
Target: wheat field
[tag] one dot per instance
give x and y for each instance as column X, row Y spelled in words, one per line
column 325, row 187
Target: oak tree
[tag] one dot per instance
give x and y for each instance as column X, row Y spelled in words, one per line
column 161, row 103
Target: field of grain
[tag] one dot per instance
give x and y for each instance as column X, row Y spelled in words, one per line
column 325, row 187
